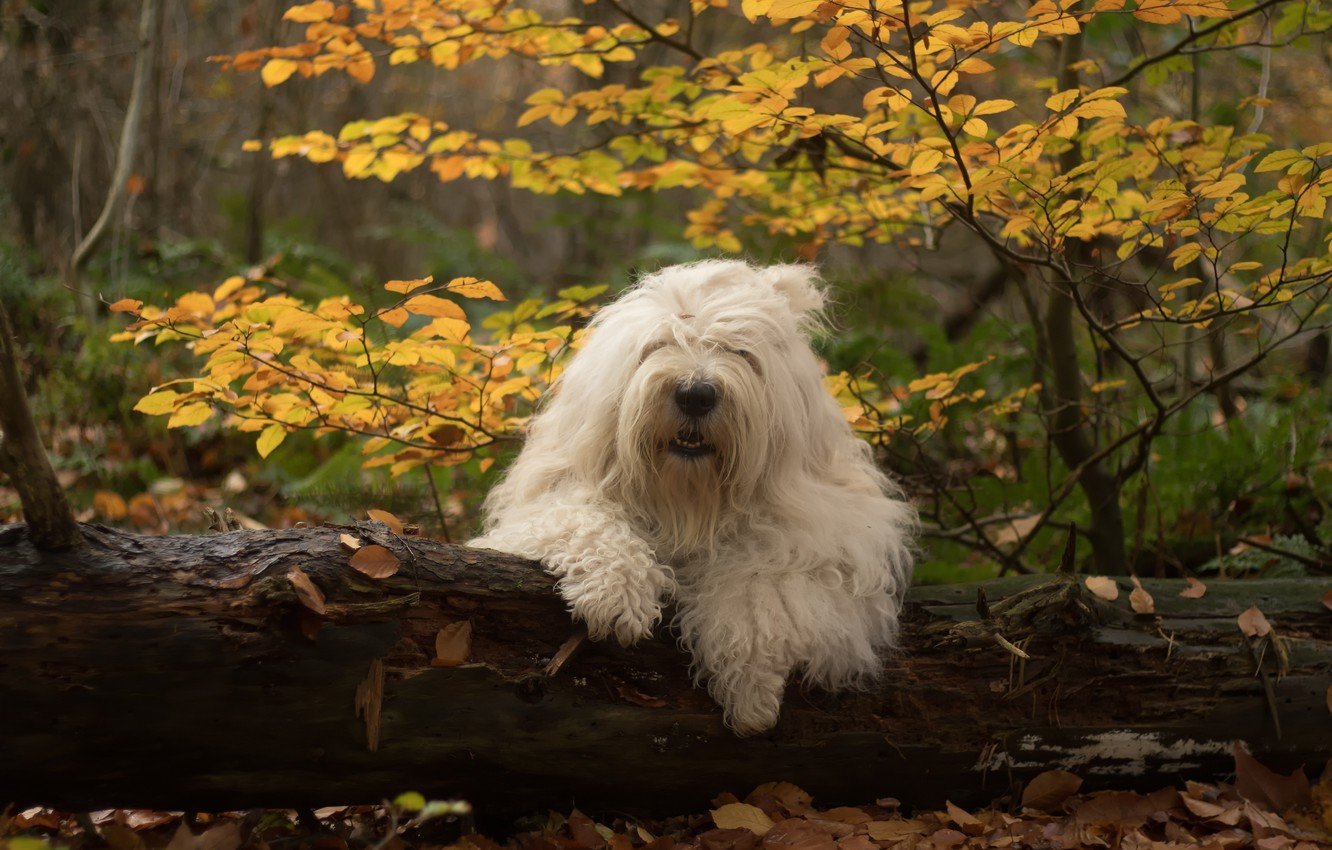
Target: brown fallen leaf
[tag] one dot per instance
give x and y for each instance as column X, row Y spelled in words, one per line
column 1258, row 784
column 349, row 542
column 1124, row 809
column 1202, row 808
column 947, row 839
column 742, row 816
column 789, row 795
column 1047, row 791
column 846, row 814
column 1253, row 623
column 453, row 644
column 224, row 836
column 835, row 828
column 1102, row 587
column 797, row 834
column 857, row 842
column 727, row 839
column 1195, row 590
column 1327, row 600
column 394, row 524
column 965, row 821
column 376, row 562
column 893, row 830
column 584, row 831
column 309, row 595
column 1140, row 600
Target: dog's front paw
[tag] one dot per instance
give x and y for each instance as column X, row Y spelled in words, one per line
column 613, row 605
column 753, row 704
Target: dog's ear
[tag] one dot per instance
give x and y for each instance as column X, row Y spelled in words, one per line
column 801, row 286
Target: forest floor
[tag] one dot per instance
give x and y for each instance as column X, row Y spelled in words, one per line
column 1260, row 810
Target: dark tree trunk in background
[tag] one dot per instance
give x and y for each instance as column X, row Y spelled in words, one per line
column 131, row 133
column 185, row 672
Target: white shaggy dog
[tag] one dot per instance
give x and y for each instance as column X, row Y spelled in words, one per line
column 690, row 450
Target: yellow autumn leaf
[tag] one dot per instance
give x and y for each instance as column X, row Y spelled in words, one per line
column 270, row 439
column 792, row 8
column 194, row 413
column 228, row 287
column 307, row 13
column 277, row 71
column 159, row 403
column 470, row 287
column 926, row 161
column 406, row 286
column 993, row 107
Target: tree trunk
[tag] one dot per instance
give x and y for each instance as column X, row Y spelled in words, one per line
column 23, row 457
column 131, row 131
column 186, row 673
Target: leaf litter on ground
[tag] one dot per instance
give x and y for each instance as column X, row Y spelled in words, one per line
column 1263, row 810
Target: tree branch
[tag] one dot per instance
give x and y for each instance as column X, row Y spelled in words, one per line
column 1192, row 37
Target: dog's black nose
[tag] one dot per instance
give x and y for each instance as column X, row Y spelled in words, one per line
column 696, row 399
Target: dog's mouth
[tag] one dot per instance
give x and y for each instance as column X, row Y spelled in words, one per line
column 690, row 443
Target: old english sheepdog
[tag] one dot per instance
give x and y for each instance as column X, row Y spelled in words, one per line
column 691, row 452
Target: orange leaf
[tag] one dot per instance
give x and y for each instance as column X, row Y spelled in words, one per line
column 453, row 644
column 309, row 595
column 1195, row 590
column 375, row 561
column 433, row 305
column 1102, row 587
column 1140, row 600
column 1253, row 623
column 394, row 524
column 350, row 543
column 394, row 317
column 109, row 505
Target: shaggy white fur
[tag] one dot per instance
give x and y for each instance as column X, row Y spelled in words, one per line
column 690, row 450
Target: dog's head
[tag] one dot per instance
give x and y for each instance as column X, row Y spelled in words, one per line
column 701, row 382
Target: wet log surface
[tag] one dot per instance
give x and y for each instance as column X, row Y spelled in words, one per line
column 185, row 673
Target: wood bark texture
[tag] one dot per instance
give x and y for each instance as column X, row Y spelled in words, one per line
column 260, row 668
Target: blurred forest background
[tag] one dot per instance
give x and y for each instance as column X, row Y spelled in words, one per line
column 1235, row 482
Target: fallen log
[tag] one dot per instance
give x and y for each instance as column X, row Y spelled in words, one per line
column 260, row 669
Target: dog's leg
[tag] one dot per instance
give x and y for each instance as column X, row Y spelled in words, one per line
column 734, row 623
column 749, row 629
column 607, row 573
